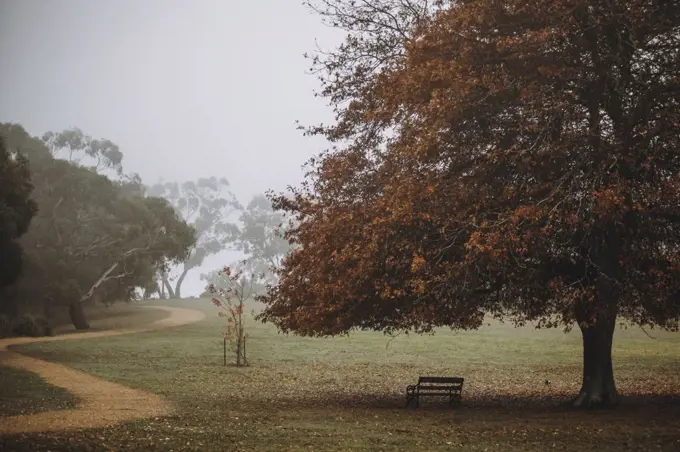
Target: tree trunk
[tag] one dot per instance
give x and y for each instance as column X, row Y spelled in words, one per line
column 245, row 359
column 598, row 387
column 238, row 352
column 168, row 287
column 77, row 314
column 180, row 280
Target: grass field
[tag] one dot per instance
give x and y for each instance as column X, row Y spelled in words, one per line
column 26, row 393
column 348, row 393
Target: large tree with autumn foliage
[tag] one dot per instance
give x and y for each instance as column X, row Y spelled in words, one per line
column 512, row 158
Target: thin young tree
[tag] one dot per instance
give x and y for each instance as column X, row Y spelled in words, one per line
column 230, row 293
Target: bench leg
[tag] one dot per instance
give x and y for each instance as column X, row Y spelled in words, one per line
column 413, row 400
column 454, row 398
column 410, row 397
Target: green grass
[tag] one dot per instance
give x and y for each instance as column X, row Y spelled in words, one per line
column 347, row 393
column 24, row 392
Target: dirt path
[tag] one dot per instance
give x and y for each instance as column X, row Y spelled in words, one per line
column 102, row 403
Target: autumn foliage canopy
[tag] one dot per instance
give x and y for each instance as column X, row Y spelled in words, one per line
column 513, row 158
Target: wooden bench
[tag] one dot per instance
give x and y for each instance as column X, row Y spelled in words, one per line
column 435, row 386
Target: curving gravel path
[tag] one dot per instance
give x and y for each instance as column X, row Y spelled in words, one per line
column 102, row 403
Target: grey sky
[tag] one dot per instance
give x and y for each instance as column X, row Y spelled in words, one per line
column 186, row 88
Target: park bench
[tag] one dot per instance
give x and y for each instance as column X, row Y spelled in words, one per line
column 435, row 386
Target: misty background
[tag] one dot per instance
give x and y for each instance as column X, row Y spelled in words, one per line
column 186, row 89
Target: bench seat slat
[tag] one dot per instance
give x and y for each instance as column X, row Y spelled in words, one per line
column 440, row 380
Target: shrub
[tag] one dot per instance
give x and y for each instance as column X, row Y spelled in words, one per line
column 5, row 326
column 45, row 326
column 27, row 325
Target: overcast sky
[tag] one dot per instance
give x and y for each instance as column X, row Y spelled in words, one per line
column 186, row 88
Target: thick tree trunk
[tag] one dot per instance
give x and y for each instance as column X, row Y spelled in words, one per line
column 180, row 280
column 77, row 314
column 598, row 387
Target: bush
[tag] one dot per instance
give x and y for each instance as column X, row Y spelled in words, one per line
column 27, row 325
column 45, row 325
column 5, row 326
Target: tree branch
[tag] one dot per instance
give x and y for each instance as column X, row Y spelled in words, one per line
column 106, row 275
column 103, row 278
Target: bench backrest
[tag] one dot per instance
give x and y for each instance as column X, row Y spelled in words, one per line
column 441, row 380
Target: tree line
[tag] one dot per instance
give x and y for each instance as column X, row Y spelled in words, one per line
column 76, row 229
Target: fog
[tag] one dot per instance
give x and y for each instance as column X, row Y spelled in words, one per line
column 186, row 89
